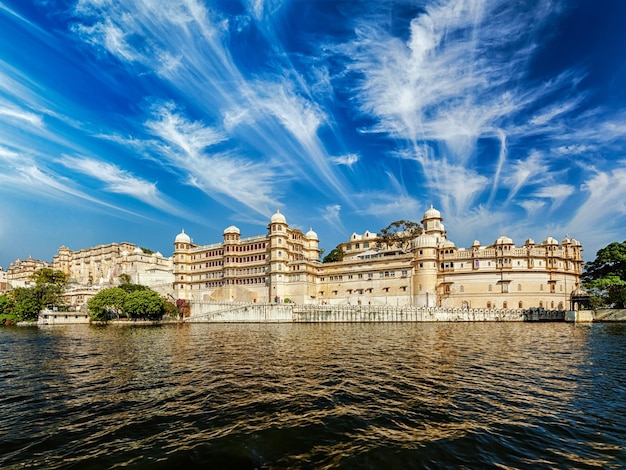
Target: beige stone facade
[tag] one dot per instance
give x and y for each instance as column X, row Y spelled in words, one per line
column 4, row 283
column 280, row 265
column 283, row 265
column 102, row 265
column 20, row 271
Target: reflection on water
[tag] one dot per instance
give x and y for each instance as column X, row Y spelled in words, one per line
column 473, row 395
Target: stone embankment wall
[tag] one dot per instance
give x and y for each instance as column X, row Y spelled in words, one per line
column 291, row 313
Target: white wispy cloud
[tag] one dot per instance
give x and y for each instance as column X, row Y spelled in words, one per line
column 556, row 192
column 8, row 155
column 332, row 215
column 348, row 159
column 272, row 116
column 32, row 180
column 119, row 181
column 186, row 147
column 15, row 113
column 449, row 85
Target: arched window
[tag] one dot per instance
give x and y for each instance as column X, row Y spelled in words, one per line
column 490, row 288
column 461, row 288
column 541, row 304
column 519, row 287
column 521, row 304
column 489, row 303
column 505, row 305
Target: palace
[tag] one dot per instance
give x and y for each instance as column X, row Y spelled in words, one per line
column 103, row 264
column 284, row 266
column 20, row 271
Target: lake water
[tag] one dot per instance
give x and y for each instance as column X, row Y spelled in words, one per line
column 412, row 395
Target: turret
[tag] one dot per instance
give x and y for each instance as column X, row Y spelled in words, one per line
column 278, row 236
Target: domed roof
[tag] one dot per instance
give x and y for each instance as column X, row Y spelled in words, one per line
column 182, row 237
column 231, row 229
column 137, row 250
column 278, row 218
column 504, row 240
column 432, row 213
column 529, row 241
column 476, row 243
column 550, row 241
column 575, row 242
column 424, row 241
column 445, row 243
column 579, row 292
column 311, row 234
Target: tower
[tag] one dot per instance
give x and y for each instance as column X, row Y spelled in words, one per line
column 278, row 239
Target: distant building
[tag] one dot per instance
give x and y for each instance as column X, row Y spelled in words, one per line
column 102, row 265
column 4, row 286
column 283, row 265
column 20, row 271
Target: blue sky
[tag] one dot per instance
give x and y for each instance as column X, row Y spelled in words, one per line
column 129, row 120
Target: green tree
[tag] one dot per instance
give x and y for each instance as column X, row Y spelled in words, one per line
column 605, row 277
column 144, row 304
column 105, row 302
column 27, row 303
column 7, row 307
column 124, row 279
column 336, row 254
column 399, row 234
column 170, row 309
column 49, row 276
column 128, row 288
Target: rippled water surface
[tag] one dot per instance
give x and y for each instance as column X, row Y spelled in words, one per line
column 448, row 395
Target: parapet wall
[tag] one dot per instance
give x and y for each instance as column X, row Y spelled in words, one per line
column 292, row 313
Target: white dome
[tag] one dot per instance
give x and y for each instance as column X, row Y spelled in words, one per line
column 476, row 243
column 137, row 250
column 424, row 241
column 550, row 241
column 182, row 237
column 445, row 243
column 311, row 234
column 432, row 213
column 504, row 240
column 231, row 229
column 278, row 218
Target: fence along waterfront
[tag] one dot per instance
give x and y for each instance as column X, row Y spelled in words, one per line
column 293, row 313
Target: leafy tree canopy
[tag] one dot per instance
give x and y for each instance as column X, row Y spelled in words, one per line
column 49, row 276
column 7, row 307
column 144, row 304
column 133, row 287
column 399, row 234
column 137, row 303
column 124, row 278
column 336, row 254
column 605, row 277
column 27, row 303
column 105, row 301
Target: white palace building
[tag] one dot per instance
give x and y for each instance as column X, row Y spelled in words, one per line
column 283, row 266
